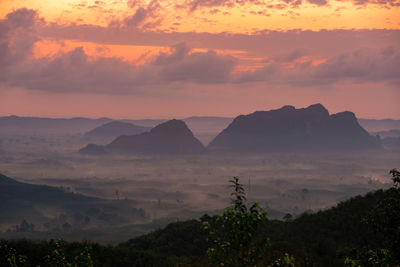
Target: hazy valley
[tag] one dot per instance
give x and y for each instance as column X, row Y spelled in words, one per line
column 136, row 193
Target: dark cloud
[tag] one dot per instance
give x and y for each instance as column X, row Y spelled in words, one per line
column 22, row 18
column 193, row 5
column 145, row 16
column 292, row 3
column 318, row 2
column 386, row 3
column 137, row 18
column 177, row 53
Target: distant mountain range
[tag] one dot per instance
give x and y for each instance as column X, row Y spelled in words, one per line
column 379, row 125
column 200, row 125
column 288, row 129
column 14, row 125
column 171, row 137
column 111, row 130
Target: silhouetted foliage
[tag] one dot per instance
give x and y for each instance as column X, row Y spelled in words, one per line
column 362, row 231
column 234, row 239
column 384, row 219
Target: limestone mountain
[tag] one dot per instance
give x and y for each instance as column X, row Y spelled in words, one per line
column 291, row 129
column 171, row 137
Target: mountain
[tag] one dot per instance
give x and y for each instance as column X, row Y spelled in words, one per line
column 93, row 149
column 291, row 129
column 171, row 137
column 372, row 125
column 111, row 130
column 14, row 125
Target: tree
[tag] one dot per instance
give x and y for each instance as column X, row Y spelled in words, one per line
column 385, row 217
column 233, row 236
column 59, row 257
column 395, row 178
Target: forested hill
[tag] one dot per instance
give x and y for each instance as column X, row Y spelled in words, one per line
column 364, row 228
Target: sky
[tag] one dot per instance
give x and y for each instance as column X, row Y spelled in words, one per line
column 174, row 59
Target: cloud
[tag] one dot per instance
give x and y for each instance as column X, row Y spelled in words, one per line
column 358, row 66
column 386, row 3
column 318, row 2
column 325, row 61
column 291, row 56
column 177, row 53
column 292, row 3
column 76, row 71
column 145, row 16
column 193, row 5
column 363, row 65
column 201, row 67
column 17, row 38
column 322, row 43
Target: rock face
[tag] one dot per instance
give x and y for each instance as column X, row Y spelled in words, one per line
column 290, row 129
column 109, row 131
column 171, row 137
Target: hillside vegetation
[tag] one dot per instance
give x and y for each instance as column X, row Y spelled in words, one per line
column 363, row 231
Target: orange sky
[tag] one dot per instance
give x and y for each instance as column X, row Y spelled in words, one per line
column 273, row 15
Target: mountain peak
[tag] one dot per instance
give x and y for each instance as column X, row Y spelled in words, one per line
column 317, row 107
column 287, row 108
column 173, row 126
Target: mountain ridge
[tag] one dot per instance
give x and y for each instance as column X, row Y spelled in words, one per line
column 111, row 130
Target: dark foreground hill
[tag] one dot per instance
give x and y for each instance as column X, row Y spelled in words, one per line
column 57, row 209
column 172, row 138
column 289, row 129
column 109, row 131
column 364, row 228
